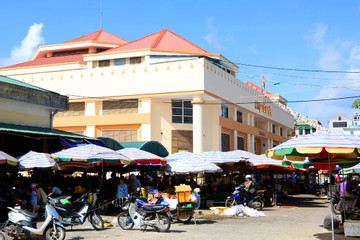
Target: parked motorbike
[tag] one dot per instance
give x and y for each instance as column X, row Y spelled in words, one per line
column 142, row 215
column 19, row 225
column 257, row 201
column 335, row 203
column 72, row 218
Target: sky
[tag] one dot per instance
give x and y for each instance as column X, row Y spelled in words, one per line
column 297, row 34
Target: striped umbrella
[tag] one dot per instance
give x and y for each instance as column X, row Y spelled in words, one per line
column 228, row 158
column 89, row 153
column 179, row 155
column 261, row 162
column 320, row 148
column 136, row 156
column 36, row 160
column 6, row 158
column 192, row 164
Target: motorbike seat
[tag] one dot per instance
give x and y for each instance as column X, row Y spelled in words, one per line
column 154, row 208
column 31, row 215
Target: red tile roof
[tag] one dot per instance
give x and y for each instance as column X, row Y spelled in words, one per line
column 48, row 61
column 162, row 40
column 101, row 36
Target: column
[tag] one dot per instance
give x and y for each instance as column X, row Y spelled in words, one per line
column 90, row 131
column 268, row 144
column 253, row 143
column 198, row 124
column 235, row 141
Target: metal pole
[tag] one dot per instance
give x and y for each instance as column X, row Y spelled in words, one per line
column 331, row 203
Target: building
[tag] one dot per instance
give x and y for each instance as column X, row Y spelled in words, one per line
column 343, row 124
column 26, row 117
column 304, row 128
column 160, row 87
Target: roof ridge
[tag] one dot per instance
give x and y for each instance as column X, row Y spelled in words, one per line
column 98, row 34
column 159, row 38
column 136, row 40
column 187, row 41
column 116, row 36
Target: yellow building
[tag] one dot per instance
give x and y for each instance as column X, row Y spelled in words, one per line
column 160, row 87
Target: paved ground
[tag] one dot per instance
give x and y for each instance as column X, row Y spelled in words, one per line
column 300, row 222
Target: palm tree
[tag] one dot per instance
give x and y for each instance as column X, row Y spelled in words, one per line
column 356, row 104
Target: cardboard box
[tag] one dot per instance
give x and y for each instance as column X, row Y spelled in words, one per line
column 183, row 193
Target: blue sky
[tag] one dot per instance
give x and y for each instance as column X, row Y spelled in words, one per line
column 299, row 34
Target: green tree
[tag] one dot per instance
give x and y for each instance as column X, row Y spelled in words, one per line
column 356, row 104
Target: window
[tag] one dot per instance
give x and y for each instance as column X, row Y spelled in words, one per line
column 135, row 60
column 181, row 141
column 239, row 116
column 339, row 124
column 104, row 63
column 75, row 109
column 240, row 143
column 225, row 142
column 339, row 118
column 273, row 128
column 182, row 111
column 281, row 131
column 119, row 62
column 307, row 131
column 119, row 106
column 123, row 135
column 301, row 131
column 224, row 111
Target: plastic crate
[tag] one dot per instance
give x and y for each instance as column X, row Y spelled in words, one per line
column 184, row 212
column 183, row 193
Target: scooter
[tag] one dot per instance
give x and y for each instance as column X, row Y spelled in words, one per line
column 256, row 202
column 72, row 218
column 142, row 215
column 19, row 225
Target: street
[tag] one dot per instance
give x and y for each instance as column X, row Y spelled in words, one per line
column 299, row 218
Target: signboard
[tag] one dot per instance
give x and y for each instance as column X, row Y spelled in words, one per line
column 263, row 108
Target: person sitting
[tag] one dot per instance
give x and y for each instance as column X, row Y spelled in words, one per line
column 248, row 188
column 122, row 191
column 54, row 191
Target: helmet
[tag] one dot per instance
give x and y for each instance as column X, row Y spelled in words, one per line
column 197, row 190
column 157, row 195
column 248, row 176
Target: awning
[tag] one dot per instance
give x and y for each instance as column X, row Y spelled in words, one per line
column 12, row 128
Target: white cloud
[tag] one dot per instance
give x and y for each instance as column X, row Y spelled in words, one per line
column 333, row 54
column 212, row 37
column 28, row 46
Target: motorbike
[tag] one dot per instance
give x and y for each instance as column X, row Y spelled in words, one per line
column 142, row 215
column 336, row 203
column 19, row 225
column 67, row 212
column 257, row 201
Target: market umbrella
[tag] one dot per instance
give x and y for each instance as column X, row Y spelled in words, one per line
column 89, row 153
column 136, row 156
column 6, row 158
column 228, row 158
column 191, row 164
column 179, row 155
column 34, row 159
column 336, row 148
column 261, row 162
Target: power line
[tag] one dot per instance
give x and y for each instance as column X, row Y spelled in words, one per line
column 294, row 69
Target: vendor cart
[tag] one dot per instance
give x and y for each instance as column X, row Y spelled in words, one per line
column 185, row 208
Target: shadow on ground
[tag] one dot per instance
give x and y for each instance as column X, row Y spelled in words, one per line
column 305, row 202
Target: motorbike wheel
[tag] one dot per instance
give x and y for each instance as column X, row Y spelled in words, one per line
column 164, row 223
column 335, row 209
column 7, row 236
column 96, row 221
column 101, row 208
column 184, row 219
column 230, row 202
column 51, row 234
column 125, row 221
column 2, row 237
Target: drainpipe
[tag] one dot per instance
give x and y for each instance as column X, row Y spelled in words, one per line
column 52, row 114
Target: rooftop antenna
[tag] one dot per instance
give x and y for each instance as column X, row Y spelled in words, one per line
column 101, row 15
